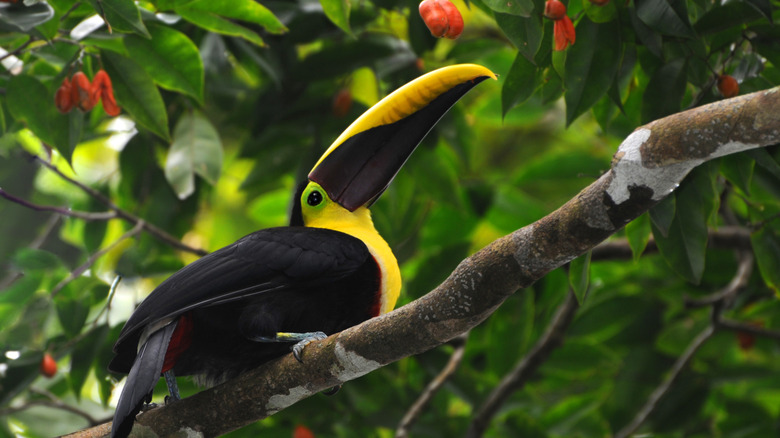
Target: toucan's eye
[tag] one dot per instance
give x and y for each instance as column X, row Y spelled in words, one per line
column 315, row 198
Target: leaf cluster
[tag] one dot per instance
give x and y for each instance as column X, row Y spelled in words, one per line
column 226, row 105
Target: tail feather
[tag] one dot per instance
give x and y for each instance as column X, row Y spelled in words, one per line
column 141, row 380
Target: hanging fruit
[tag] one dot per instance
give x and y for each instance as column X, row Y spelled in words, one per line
column 563, row 29
column 63, row 98
column 48, row 366
column 79, row 92
column 342, row 102
column 102, row 89
column 442, row 18
column 728, row 86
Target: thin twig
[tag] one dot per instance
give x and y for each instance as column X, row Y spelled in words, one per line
column 719, row 301
column 122, row 214
column 86, row 215
column 51, row 402
column 433, row 387
column 551, row 339
column 35, row 244
column 748, row 328
column 727, row 294
column 76, row 273
column 69, row 11
column 663, row 388
column 19, row 49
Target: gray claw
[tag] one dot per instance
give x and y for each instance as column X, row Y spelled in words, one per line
column 299, row 346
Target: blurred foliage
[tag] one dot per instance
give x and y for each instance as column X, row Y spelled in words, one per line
column 226, row 104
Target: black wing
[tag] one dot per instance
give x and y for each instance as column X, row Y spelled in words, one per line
column 274, row 259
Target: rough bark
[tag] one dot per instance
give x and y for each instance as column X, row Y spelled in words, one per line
column 649, row 165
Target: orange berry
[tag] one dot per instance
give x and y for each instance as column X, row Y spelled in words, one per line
column 442, row 18
column 48, row 365
column 554, row 10
column 728, row 86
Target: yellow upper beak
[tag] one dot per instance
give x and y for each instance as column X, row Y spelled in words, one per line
column 365, row 158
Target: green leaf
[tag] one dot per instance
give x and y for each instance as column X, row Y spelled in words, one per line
column 665, row 91
column 121, row 15
column 765, row 160
column 738, row 169
column 196, row 149
column 665, row 16
column 522, row 8
column 766, row 247
column 24, row 18
column 652, row 40
column 730, row 14
column 171, row 59
column 579, row 276
column 217, row 24
column 30, row 102
column 662, row 214
column 136, row 93
column 591, row 65
column 83, row 356
column 212, row 15
column 524, row 33
column 600, row 14
column 35, row 259
column 337, row 11
column 519, row 83
column 72, row 310
column 685, row 245
column 638, row 234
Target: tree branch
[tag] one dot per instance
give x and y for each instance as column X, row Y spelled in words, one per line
column 649, row 164
column 76, row 273
column 516, row 379
column 120, row 213
column 433, row 387
column 663, row 388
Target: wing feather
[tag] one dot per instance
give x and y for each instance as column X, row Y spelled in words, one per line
column 274, row 259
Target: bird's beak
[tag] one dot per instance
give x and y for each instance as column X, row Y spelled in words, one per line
column 365, row 158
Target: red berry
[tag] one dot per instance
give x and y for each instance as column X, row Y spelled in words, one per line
column 728, row 86
column 554, row 10
column 563, row 33
column 48, row 365
column 63, row 98
column 102, row 89
column 302, row 431
column 442, row 18
column 81, row 92
column 342, row 102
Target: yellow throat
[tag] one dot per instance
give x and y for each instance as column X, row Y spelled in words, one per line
column 358, row 224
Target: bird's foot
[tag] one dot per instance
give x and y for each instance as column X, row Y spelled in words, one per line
column 301, row 340
column 173, row 388
column 297, row 349
column 149, row 406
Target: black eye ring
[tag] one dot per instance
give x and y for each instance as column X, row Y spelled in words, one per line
column 314, row 199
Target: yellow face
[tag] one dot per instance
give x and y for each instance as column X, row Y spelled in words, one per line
column 319, row 211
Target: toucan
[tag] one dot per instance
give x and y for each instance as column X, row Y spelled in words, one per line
column 277, row 289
